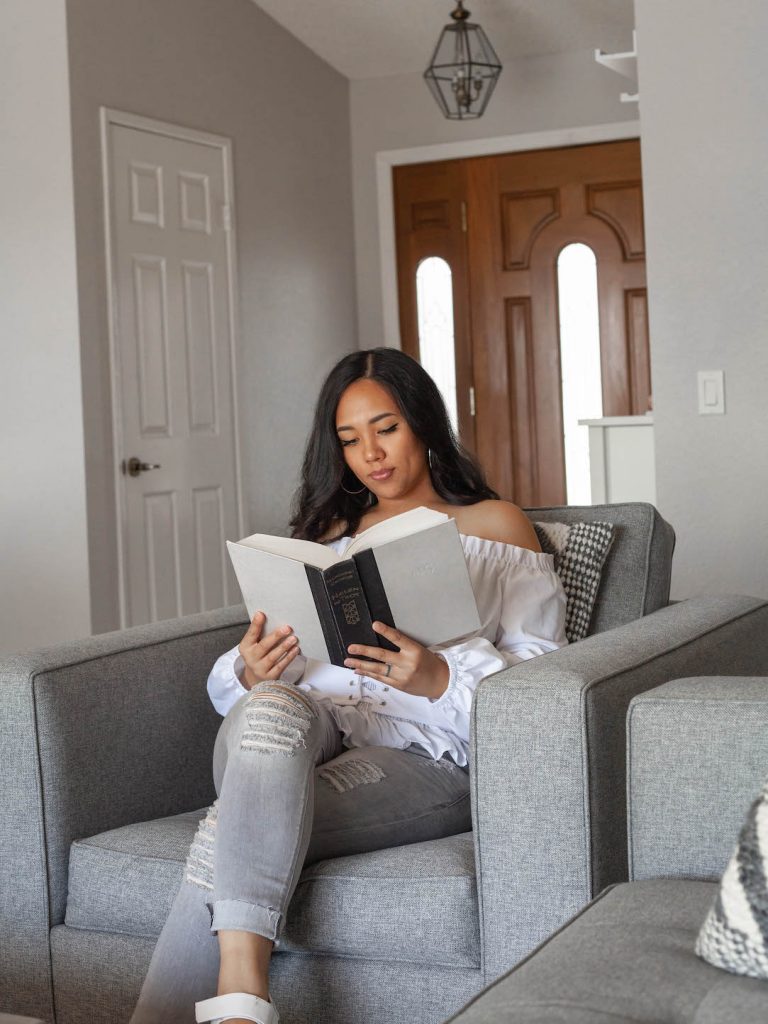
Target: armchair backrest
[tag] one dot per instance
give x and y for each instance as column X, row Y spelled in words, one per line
column 637, row 572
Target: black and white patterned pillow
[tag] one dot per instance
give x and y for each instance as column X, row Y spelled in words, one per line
column 734, row 935
column 580, row 550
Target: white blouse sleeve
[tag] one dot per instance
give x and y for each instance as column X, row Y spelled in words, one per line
column 532, row 622
column 224, row 686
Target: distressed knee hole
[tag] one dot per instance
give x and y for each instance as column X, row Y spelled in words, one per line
column 349, row 774
column 278, row 718
column 199, row 867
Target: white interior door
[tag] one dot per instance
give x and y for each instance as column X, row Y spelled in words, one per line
column 172, row 287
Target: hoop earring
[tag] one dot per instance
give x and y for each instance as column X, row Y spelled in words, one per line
column 352, row 493
column 429, row 458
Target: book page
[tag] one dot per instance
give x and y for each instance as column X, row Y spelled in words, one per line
column 394, row 528
column 279, row 587
column 305, row 551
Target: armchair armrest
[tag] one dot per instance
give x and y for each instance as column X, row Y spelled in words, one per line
column 697, row 756
column 95, row 734
column 548, row 761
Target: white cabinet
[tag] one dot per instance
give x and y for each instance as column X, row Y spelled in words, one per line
column 621, row 459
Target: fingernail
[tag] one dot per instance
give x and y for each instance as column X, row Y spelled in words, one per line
column 285, row 629
column 349, row 663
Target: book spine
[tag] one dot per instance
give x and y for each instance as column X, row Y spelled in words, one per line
column 375, row 595
column 348, row 605
column 325, row 615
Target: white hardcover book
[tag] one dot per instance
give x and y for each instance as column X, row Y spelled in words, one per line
column 408, row 571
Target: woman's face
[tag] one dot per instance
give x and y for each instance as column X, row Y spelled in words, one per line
column 378, row 445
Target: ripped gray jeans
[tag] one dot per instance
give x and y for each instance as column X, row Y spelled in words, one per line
column 289, row 794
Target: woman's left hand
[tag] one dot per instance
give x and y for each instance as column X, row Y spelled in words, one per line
column 414, row 669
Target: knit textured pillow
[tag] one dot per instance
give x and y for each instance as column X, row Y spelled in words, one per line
column 580, row 550
column 734, row 935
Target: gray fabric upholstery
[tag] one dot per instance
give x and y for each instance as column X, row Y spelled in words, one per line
column 628, row 957
column 94, row 734
column 555, row 834
column 425, row 911
column 636, row 575
column 686, row 812
column 306, row 989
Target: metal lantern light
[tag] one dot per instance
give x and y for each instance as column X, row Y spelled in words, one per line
column 464, row 68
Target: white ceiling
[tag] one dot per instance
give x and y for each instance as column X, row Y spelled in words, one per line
column 371, row 38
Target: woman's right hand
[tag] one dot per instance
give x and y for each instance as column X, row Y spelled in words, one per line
column 266, row 659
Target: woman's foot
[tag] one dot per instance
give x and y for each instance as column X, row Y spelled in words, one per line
column 235, row 1008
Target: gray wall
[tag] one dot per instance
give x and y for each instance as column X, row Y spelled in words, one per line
column 564, row 90
column 704, row 115
column 224, row 67
column 43, row 543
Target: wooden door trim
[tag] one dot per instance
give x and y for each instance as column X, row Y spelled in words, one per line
column 387, row 159
column 108, row 117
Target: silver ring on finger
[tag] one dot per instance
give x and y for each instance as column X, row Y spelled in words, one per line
column 389, row 669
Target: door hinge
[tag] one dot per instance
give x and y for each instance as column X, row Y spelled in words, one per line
column 226, row 216
column 472, row 401
column 463, row 216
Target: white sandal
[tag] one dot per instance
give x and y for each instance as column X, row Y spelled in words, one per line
column 236, row 1005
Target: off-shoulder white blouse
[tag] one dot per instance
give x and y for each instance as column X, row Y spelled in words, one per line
column 522, row 612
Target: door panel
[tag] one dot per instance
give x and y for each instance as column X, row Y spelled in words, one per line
column 174, row 404
column 430, row 218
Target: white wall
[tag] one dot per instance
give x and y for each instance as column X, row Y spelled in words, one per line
column 228, row 68
column 536, row 94
column 44, row 594
column 704, row 120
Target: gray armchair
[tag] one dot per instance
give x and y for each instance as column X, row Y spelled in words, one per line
column 697, row 758
column 105, row 749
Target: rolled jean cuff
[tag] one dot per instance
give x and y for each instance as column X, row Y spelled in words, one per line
column 237, row 915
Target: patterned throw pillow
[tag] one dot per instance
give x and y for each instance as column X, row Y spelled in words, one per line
column 580, row 550
column 734, row 935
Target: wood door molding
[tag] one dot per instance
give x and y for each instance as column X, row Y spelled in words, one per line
column 620, row 205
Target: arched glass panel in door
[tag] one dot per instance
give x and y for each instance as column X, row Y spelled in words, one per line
column 580, row 374
column 434, row 304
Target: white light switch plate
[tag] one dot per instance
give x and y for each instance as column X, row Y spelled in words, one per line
column 711, row 392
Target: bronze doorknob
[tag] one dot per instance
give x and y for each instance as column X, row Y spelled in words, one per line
column 134, row 466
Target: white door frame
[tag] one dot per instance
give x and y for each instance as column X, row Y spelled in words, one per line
column 387, row 159
column 109, row 116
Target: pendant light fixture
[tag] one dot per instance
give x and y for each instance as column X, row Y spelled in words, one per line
column 464, row 68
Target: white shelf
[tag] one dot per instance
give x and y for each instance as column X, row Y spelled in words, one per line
column 620, row 421
column 624, row 64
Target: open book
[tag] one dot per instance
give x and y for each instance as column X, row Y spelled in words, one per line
column 408, row 571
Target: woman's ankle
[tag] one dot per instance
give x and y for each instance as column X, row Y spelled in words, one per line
column 244, row 964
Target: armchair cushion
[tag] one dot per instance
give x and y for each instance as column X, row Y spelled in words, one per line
column 425, row 910
column 627, row 958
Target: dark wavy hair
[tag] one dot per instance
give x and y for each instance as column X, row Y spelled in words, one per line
column 321, row 499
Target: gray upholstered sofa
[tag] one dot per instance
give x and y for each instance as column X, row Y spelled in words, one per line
column 105, row 752
column 697, row 757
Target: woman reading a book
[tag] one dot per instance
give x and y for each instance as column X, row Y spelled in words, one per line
column 316, row 760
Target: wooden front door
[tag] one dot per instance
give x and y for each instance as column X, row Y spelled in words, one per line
column 520, row 211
